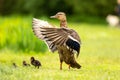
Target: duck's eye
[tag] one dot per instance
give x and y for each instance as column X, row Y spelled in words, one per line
column 58, row 16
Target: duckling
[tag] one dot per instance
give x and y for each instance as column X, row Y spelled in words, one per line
column 25, row 63
column 35, row 63
column 14, row 65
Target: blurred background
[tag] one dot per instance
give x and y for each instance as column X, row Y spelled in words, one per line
column 16, row 19
column 99, row 8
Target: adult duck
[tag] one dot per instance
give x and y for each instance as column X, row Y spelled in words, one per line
column 64, row 40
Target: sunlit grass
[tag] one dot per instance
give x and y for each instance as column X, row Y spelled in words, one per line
column 99, row 57
column 93, row 67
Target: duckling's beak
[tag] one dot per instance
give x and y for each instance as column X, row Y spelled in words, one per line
column 53, row 16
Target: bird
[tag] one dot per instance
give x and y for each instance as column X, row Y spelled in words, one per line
column 14, row 65
column 62, row 39
column 25, row 63
column 35, row 63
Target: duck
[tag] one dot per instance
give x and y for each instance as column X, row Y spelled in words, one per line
column 62, row 39
column 35, row 63
column 25, row 63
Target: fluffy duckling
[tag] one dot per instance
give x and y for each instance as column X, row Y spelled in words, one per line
column 14, row 65
column 25, row 63
column 35, row 63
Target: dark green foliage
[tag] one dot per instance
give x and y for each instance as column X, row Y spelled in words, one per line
column 50, row 7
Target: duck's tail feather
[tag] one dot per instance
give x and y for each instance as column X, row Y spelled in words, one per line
column 75, row 65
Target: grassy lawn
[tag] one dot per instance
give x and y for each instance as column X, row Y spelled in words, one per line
column 99, row 57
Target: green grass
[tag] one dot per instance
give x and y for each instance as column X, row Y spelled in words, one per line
column 99, row 57
column 16, row 33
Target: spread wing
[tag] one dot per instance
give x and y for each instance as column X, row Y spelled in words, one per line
column 56, row 36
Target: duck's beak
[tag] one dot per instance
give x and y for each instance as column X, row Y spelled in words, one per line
column 53, row 16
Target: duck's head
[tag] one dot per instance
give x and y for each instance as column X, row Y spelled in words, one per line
column 32, row 58
column 60, row 16
column 24, row 62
